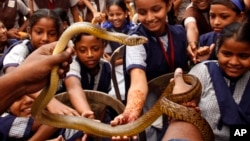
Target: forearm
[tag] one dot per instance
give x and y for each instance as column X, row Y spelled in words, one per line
column 79, row 101
column 137, row 93
column 75, row 14
column 90, row 6
column 192, row 33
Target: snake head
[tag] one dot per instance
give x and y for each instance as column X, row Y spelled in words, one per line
column 135, row 40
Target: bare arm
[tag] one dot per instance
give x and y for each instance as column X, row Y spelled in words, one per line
column 137, row 93
column 136, row 98
column 18, row 82
column 77, row 96
column 193, row 39
column 75, row 13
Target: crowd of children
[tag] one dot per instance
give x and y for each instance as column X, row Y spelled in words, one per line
column 207, row 38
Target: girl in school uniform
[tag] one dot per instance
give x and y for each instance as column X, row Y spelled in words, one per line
column 44, row 28
column 164, row 51
column 222, row 13
column 117, row 21
column 225, row 94
column 225, row 83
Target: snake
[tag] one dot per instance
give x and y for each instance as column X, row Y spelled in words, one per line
column 166, row 104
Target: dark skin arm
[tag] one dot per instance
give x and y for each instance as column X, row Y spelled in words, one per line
column 18, row 82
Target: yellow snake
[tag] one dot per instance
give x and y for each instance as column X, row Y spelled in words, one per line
column 162, row 106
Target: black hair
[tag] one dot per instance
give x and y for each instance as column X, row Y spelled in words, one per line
column 63, row 14
column 172, row 19
column 78, row 37
column 45, row 13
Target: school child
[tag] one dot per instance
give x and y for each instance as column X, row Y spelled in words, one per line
column 222, row 13
column 225, row 83
column 44, row 28
column 117, row 21
column 4, row 41
column 88, row 71
column 17, row 123
column 12, row 14
column 160, row 55
column 196, row 22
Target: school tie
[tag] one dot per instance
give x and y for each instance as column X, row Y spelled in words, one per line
column 232, row 86
column 92, row 81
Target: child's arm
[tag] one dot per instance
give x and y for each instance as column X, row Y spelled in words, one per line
column 98, row 16
column 57, row 107
column 77, row 96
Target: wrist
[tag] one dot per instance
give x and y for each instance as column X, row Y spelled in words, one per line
column 193, row 43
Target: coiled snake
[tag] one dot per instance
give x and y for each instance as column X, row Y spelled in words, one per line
column 163, row 106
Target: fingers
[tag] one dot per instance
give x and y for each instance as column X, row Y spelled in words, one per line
column 212, row 47
column 88, row 114
column 118, row 120
column 84, row 138
column 180, row 85
column 192, row 51
column 124, row 138
column 178, row 77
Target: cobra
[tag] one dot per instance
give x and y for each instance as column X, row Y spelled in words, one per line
column 165, row 105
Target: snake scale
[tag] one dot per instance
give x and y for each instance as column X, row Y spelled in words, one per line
column 166, row 104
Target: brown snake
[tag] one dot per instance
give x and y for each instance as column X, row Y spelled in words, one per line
column 162, row 106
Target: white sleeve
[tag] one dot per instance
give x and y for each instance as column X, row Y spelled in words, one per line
column 74, row 69
column 189, row 20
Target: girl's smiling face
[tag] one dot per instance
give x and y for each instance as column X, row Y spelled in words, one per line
column 152, row 14
column 234, row 57
column 43, row 32
column 117, row 16
column 22, row 107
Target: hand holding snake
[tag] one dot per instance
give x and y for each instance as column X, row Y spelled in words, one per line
column 165, row 104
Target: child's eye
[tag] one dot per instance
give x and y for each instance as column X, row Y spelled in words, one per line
column 142, row 12
column 226, row 54
column 156, row 9
column 96, row 48
column 212, row 16
column 244, row 56
column 52, row 33
column 82, row 50
column 224, row 17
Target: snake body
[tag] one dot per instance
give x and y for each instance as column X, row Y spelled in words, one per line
column 166, row 104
